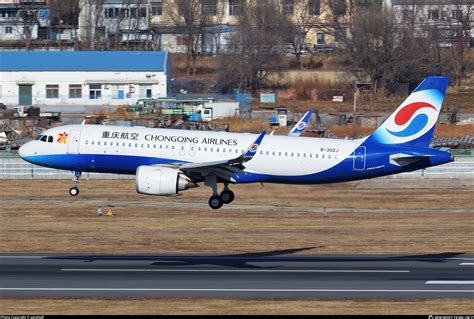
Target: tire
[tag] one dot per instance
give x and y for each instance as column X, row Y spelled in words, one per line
column 215, row 202
column 227, row 196
column 74, row 191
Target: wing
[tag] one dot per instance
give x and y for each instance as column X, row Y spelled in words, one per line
column 224, row 169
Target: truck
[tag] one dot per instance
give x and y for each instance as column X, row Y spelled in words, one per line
column 216, row 110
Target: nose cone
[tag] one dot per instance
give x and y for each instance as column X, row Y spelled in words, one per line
column 26, row 150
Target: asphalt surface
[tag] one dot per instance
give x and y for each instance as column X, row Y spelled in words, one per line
column 277, row 274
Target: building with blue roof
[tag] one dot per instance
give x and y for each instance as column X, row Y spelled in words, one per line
column 82, row 77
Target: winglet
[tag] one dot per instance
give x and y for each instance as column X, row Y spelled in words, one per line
column 301, row 125
column 252, row 149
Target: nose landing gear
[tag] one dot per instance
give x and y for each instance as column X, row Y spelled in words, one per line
column 74, row 191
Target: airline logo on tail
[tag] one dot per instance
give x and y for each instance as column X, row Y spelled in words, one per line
column 414, row 120
column 406, row 123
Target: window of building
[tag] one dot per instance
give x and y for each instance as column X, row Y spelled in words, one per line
column 145, row 91
column 8, row 13
column 157, row 9
column 433, row 14
column 236, row 7
column 457, row 14
column 95, row 91
column 142, row 13
column 182, row 7
column 288, row 7
column 407, row 15
column 340, row 34
column 8, row 29
column 314, row 7
column 118, row 92
column 52, row 91
column 112, row 12
column 320, row 38
column 339, row 7
column 75, row 91
column 209, row 7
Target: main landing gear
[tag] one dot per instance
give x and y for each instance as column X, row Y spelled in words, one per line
column 74, row 191
column 218, row 200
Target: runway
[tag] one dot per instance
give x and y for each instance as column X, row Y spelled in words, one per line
column 277, row 274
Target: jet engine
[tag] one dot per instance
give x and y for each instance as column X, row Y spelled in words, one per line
column 161, row 181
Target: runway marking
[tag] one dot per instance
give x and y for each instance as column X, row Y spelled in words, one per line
column 238, row 270
column 450, row 282
column 26, row 257
column 239, row 290
column 466, row 264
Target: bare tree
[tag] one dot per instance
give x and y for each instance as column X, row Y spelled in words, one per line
column 65, row 15
column 256, row 46
column 28, row 18
column 304, row 16
column 188, row 19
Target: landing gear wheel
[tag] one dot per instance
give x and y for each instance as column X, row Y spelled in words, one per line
column 216, row 202
column 74, row 191
column 227, row 196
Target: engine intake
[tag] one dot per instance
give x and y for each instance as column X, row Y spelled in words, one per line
column 161, row 181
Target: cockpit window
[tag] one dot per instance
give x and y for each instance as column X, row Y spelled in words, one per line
column 50, row 139
column 38, row 137
column 44, row 138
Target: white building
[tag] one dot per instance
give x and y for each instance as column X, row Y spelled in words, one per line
column 82, row 77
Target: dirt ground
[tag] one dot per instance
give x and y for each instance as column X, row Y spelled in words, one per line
column 377, row 216
column 233, row 306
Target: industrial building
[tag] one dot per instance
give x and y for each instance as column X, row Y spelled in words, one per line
column 82, row 77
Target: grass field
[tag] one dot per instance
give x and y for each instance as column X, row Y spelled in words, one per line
column 376, row 216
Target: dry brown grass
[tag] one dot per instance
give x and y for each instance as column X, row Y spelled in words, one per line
column 150, row 306
column 450, row 130
column 141, row 228
column 245, row 125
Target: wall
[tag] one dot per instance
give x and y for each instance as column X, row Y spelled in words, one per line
column 9, row 85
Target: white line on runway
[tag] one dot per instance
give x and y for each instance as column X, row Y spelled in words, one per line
column 466, row 264
column 238, row 290
column 238, row 270
column 26, row 257
column 450, row 282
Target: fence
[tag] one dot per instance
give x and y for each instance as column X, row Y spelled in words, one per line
column 13, row 167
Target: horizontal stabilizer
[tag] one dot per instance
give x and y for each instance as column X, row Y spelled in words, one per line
column 405, row 159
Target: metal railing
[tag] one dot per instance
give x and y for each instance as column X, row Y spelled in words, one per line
column 13, row 167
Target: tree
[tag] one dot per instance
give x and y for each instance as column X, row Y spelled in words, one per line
column 28, row 18
column 65, row 14
column 256, row 47
column 188, row 19
column 304, row 15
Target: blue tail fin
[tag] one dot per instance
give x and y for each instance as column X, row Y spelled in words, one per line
column 414, row 121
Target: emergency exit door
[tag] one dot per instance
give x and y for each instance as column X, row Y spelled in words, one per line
column 74, row 142
column 359, row 158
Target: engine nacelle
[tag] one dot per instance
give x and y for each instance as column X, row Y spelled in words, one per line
column 161, row 181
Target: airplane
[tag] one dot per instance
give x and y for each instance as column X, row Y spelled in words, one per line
column 301, row 125
column 169, row 161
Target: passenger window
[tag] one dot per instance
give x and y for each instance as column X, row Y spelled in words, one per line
column 268, row 153
column 136, row 145
column 129, row 144
column 205, row 149
column 154, row 145
column 273, row 153
column 322, row 156
column 317, row 156
column 92, row 142
column 223, row 150
column 292, row 154
column 279, row 153
column 286, row 153
column 123, row 144
column 217, row 150
column 87, row 143
column 105, row 143
column 298, row 154
column 329, row 156
column 172, row 147
column 118, row 144
column 261, row 152
column 98, row 143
